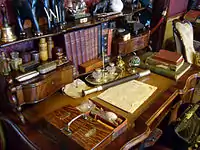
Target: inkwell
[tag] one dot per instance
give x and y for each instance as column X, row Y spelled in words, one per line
column 6, row 31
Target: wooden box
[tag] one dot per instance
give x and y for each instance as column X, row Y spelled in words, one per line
column 91, row 133
column 90, row 65
column 121, row 47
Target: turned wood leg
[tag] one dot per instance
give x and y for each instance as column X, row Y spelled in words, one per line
column 174, row 112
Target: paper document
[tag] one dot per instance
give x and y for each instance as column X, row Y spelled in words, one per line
column 128, row 96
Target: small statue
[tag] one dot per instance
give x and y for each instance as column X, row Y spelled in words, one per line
column 81, row 7
column 101, row 7
column 120, row 63
column 77, row 11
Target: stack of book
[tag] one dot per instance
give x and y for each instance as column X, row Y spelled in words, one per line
column 88, row 43
column 166, row 63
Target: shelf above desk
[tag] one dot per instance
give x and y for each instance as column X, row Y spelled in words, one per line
column 69, row 27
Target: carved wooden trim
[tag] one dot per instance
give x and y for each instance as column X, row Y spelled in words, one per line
column 162, row 108
column 188, row 82
column 136, row 140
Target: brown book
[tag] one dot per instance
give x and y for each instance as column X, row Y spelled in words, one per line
column 168, row 57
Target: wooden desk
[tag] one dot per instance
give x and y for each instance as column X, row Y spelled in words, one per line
column 148, row 116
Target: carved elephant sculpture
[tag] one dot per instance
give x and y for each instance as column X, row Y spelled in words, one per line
column 30, row 9
column 101, row 7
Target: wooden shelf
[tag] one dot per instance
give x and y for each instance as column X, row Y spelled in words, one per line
column 69, row 27
column 30, row 36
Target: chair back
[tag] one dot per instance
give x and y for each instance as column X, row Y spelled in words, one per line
column 183, row 35
column 191, row 91
column 12, row 137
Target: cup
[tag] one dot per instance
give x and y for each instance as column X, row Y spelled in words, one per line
column 26, row 57
column 35, row 55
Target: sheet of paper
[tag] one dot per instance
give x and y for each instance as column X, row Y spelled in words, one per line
column 128, row 96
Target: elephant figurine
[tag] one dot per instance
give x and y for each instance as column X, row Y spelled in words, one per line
column 101, row 7
column 30, row 9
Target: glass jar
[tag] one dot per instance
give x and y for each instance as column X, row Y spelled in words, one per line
column 50, row 46
column 111, row 68
column 43, row 50
column 4, row 64
column 97, row 75
column 15, row 60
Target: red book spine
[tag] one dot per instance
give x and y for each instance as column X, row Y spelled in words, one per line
column 78, row 47
column 83, row 49
column 109, row 42
column 68, row 46
column 73, row 46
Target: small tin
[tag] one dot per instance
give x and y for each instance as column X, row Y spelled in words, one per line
column 35, row 55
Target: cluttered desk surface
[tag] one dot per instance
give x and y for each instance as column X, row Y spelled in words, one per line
column 145, row 118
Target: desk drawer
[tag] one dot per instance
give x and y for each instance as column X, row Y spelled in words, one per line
column 48, row 85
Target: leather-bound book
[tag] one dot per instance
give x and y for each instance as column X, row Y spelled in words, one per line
column 73, row 46
column 86, row 36
column 83, row 49
column 68, row 46
column 78, row 47
column 168, row 57
column 109, row 41
column 151, row 61
column 192, row 15
column 96, row 41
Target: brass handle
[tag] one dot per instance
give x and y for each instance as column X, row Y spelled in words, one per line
column 67, row 128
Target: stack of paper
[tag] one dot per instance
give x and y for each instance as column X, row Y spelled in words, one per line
column 128, row 96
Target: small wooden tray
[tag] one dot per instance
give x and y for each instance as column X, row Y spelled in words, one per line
column 88, row 133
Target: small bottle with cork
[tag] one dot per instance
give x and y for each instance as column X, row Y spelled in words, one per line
column 50, row 46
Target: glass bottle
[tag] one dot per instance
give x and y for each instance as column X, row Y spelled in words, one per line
column 15, row 60
column 111, row 68
column 97, row 75
column 43, row 49
column 50, row 46
column 5, row 66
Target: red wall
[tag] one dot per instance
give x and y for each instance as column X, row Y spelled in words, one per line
column 177, row 6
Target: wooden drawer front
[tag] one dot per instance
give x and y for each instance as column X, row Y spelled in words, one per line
column 125, row 47
column 40, row 90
